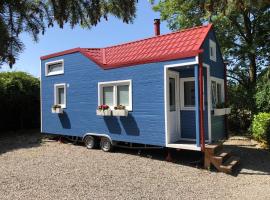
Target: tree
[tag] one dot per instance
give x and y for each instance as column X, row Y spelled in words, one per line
column 263, row 91
column 242, row 28
column 34, row 16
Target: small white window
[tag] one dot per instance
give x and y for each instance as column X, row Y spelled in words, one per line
column 115, row 93
column 217, row 91
column 187, row 93
column 172, row 88
column 54, row 68
column 212, row 50
column 60, row 95
column 187, row 90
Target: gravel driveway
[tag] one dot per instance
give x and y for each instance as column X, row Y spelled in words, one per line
column 35, row 168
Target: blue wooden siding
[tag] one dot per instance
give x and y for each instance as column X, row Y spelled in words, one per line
column 216, row 70
column 218, row 127
column 145, row 124
column 188, row 124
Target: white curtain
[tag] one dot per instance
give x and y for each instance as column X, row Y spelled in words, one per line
column 108, row 95
column 123, row 95
column 55, row 67
column 61, row 94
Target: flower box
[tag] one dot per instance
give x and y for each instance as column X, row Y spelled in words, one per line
column 104, row 112
column 219, row 111
column 121, row 113
column 228, row 111
column 57, row 110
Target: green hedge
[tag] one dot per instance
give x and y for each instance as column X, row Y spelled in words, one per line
column 261, row 127
column 19, row 101
column 263, row 91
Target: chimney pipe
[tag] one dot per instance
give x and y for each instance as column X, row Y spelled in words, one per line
column 157, row 26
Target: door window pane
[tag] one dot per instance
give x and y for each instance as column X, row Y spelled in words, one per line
column 214, row 94
column 172, row 94
column 123, row 95
column 61, row 93
column 189, row 94
column 219, row 100
column 108, row 96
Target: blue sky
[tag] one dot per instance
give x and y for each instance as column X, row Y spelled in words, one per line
column 106, row 33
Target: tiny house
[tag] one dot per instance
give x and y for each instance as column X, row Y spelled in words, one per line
column 164, row 91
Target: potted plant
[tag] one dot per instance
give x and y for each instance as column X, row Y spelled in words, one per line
column 104, row 110
column 222, row 109
column 57, row 109
column 120, row 111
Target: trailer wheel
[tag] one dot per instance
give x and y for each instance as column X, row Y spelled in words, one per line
column 90, row 142
column 105, row 144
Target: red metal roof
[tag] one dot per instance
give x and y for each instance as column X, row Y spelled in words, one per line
column 176, row 45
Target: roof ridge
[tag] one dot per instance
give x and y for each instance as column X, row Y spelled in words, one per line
column 174, row 45
column 140, row 40
column 172, row 33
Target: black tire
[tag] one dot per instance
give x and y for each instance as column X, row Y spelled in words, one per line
column 106, row 144
column 90, row 142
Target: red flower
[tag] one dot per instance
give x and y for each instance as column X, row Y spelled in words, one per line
column 103, row 107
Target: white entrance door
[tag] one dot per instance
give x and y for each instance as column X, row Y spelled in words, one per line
column 173, row 112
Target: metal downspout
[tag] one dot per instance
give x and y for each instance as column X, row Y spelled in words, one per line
column 202, row 134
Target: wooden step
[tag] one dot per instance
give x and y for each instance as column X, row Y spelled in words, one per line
column 212, row 149
column 222, row 156
column 229, row 164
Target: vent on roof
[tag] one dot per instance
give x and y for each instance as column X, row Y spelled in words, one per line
column 157, row 26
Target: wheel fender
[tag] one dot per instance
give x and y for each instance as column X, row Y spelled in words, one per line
column 98, row 135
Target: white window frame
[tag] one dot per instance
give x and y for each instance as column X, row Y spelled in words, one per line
column 182, row 94
column 213, row 46
column 47, row 64
column 56, row 86
column 218, row 81
column 114, row 84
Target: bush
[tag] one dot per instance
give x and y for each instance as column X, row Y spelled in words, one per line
column 261, row 127
column 242, row 103
column 19, row 101
column 263, row 92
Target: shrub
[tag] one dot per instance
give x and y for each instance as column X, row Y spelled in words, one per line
column 261, row 127
column 263, row 91
column 242, row 104
column 19, row 101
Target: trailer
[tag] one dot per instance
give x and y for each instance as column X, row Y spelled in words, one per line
column 167, row 91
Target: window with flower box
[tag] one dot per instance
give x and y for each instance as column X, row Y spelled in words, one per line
column 217, row 91
column 115, row 93
column 60, row 95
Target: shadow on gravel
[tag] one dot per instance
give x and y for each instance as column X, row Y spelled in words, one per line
column 183, row 157
column 10, row 141
column 252, row 161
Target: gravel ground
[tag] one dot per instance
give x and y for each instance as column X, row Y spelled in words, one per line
column 36, row 168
